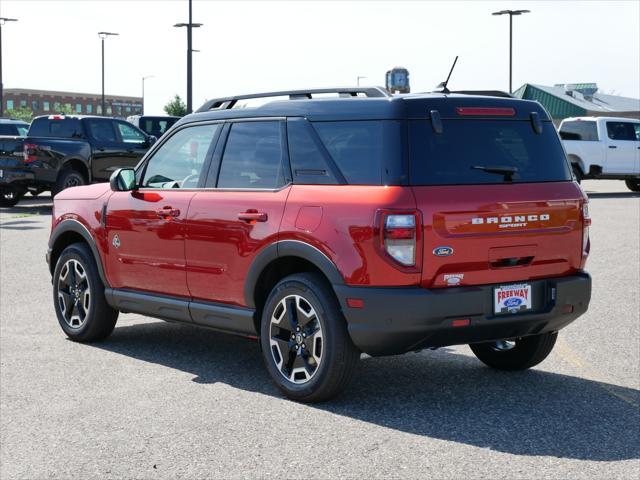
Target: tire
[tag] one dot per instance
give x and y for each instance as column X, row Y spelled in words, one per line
column 9, row 197
column 577, row 172
column 89, row 318
column 520, row 354
column 308, row 373
column 68, row 178
column 633, row 184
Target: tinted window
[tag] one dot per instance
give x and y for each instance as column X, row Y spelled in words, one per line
column 363, row 149
column 253, row 156
column 129, row 134
column 621, row 131
column 585, row 131
column 178, row 162
column 101, row 130
column 636, row 126
column 448, row 158
column 308, row 161
column 66, row 128
column 156, row 126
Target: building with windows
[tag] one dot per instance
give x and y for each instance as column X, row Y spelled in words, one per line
column 44, row 102
column 579, row 100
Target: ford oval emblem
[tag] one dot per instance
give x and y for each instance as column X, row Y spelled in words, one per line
column 512, row 302
column 443, row 251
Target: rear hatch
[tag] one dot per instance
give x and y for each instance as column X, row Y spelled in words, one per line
column 496, row 195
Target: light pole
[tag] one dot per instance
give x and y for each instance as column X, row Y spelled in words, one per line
column 3, row 20
column 190, row 50
column 358, row 79
column 102, row 36
column 511, row 13
column 143, row 79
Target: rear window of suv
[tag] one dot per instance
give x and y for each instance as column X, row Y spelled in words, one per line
column 449, row 158
column 61, row 128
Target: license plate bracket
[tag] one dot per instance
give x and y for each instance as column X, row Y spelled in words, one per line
column 510, row 299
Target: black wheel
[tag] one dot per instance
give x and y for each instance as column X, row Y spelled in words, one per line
column 68, row 178
column 304, row 339
column 9, row 197
column 577, row 172
column 518, row 354
column 78, row 296
column 633, row 184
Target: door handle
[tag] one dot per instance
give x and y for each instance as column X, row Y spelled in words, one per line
column 252, row 216
column 612, row 146
column 168, row 213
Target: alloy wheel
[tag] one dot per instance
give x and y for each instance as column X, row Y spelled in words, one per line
column 296, row 339
column 74, row 293
column 503, row 345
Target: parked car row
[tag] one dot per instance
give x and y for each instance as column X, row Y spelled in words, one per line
column 60, row 151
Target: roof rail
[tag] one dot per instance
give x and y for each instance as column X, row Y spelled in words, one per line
column 227, row 103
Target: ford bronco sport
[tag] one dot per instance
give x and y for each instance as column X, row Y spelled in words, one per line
column 327, row 227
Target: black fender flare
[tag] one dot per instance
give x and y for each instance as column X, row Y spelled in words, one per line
column 288, row 248
column 75, row 226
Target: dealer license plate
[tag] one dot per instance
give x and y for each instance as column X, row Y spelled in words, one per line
column 512, row 298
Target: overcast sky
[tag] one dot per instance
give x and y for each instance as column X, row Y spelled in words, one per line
column 266, row 45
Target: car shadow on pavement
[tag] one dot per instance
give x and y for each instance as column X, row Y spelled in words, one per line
column 439, row 394
column 32, row 206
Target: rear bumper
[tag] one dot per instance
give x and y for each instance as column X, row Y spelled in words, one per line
column 398, row 320
column 17, row 178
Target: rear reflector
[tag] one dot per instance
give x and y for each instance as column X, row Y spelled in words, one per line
column 567, row 309
column 484, row 111
column 461, row 322
column 355, row 302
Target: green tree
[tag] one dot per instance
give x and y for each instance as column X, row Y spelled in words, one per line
column 176, row 107
column 21, row 113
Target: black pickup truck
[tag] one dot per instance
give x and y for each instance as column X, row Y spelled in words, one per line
column 61, row 151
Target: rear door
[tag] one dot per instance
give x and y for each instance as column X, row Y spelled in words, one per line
column 485, row 222
column 146, row 227
column 622, row 147
column 240, row 211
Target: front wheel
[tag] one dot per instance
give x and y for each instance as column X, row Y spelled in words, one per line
column 518, row 354
column 67, row 178
column 305, row 344
column 78, row 296
column 633, row 184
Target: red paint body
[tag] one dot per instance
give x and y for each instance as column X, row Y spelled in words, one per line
column 200, row 247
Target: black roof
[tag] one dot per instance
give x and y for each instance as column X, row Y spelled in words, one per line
column 388, row 107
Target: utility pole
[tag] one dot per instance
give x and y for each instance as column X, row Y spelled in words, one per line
column 511, row 13
column 3, row 20
column 102, row 36
column 190, row 50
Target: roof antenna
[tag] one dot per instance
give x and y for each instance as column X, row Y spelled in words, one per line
column 443, row 85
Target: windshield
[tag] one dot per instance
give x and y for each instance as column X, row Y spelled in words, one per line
column 485, row 151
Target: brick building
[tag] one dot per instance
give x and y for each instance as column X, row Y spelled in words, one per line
column 44, row 102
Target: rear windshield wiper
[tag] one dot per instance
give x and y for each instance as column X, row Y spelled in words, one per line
column 508, row 172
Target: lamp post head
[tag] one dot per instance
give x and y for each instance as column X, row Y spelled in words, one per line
column 104, row 35
column 193, row 25
column 4, row 20
column 511, row 12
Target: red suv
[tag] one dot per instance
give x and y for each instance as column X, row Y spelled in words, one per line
column 331, row 226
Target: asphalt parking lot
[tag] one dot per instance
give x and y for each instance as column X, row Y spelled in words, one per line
column 159, row 400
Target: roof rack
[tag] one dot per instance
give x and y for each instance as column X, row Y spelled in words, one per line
column 227, row 103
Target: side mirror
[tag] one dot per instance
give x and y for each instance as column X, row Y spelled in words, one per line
column 123, row 180
column 151, row 139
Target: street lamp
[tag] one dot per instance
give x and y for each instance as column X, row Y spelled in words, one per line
column 190, row 50
column 511, row 13
column 358, row 79
column 102, row 36
column 143, row 79
column 3, row 20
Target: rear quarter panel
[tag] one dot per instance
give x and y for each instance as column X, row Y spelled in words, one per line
column 52, row 153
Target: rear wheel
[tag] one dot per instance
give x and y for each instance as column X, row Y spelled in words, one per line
column 518, row 354
column 305, row 344
column 633, row 184
column 78, row 296
column 9, row 197
column 68, row 178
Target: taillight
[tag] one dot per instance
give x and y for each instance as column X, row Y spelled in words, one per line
column 400, row 237
column 29, row 152
column 586, row 222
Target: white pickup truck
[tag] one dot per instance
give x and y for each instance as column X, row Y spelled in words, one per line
column 603, row 147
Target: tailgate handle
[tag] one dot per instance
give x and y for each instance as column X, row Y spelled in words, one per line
column 511, row 262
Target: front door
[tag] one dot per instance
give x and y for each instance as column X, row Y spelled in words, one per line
column 133, row 142
column 229, row 224
column 105, row 149
column 146, row 227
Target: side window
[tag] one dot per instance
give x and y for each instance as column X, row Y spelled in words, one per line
column 178, row 162
column 308, row 162
column 636, row 126
column 621, row 131
column 253, row 156
column 129, row 134
column 101, row 130
column 579, row 130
